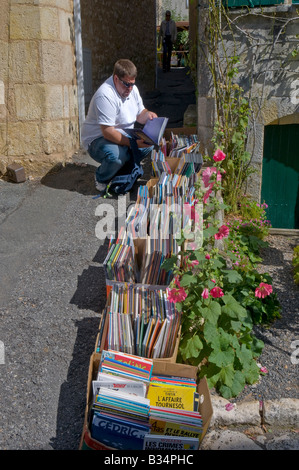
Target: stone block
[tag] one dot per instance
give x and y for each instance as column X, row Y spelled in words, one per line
column 53, row 137
column 4, row 69
column 206, row 111
column 23, row 138
column 53, row 102
column 25, row 22
column 24, row 62
column 58, row 62
column 66, row 26
column 190, row 116
column 29, row 101
column 16, row 173
column 33, row 22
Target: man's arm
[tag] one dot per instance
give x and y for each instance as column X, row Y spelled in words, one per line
column 113, row 135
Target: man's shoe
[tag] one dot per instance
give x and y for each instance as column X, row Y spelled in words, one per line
column 100, row 186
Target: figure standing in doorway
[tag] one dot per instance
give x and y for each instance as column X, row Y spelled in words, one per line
column 168, row 35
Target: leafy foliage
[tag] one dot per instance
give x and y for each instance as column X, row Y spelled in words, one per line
column 295, row 263
column 220, row 303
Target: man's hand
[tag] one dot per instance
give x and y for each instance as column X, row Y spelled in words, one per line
column 141, row 144
column 151, row 115
column 145, row 115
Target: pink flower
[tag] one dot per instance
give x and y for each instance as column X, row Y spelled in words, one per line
column 194, row 263
column 216, row 292
column 176, row 295
column 207, row 256
column 263, row 290
column 223, row 232
column 219, row 156
column 207, row 194
column 207, row 173
column 205, row 293
column 230, row 406
column 264, row 370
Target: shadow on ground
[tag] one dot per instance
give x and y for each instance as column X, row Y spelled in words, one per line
column 72, row 177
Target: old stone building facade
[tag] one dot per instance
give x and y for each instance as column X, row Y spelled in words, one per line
column 265, row 41
column 42, row 45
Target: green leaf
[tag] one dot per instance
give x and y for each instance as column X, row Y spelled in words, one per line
column 222, row 357
column 257, row 347
column 169, row 263
column 251, row 373
column 227, row 375
column 212, row 312
column 211, row 373
column 232, row 275
column 210, row 331
column 236, row 387
column 187, row 279
column 232, row 308
column 210, row 232
column 192, row 347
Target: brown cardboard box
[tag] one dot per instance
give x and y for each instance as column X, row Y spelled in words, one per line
column 162, row 367
column 179, row 131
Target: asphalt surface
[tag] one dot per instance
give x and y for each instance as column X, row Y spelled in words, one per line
column 52, row 290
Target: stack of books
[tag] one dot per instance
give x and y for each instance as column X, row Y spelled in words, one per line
column 180, row 144
column 185, row 148
column 134, row 409
column 119, row 416
column 174, row 405
column 142, row 321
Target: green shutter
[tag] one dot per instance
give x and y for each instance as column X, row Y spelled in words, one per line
column 250, row 3
column 280, row 180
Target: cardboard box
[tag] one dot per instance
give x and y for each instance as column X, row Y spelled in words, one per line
column 179, row 131
column 161, row 367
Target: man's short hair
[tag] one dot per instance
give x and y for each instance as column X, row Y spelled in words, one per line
column 124, row 67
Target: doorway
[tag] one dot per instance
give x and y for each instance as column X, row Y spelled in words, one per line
column 280, row 176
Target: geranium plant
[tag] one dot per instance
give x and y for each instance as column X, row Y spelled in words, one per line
column 216, row 323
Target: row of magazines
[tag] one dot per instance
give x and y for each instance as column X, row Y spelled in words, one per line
column 141, row 319
column 136, row 404
column 134, row 408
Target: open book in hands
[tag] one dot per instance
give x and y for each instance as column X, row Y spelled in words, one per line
column 151, row 133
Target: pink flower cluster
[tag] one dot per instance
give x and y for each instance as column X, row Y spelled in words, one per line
column 216, row 292
column 208, row 172
column 263, row 290
column 176, row 294
column 223, row 232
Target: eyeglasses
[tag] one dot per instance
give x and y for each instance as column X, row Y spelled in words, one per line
column 126, row 84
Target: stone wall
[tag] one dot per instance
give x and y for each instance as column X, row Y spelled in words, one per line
column 269, row 75
column 38, row 93
column 122, row 30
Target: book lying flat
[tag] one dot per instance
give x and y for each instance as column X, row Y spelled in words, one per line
column 151, row 133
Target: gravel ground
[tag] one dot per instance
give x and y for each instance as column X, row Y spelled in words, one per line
column 279, row 338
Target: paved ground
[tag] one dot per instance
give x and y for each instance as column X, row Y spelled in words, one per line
column 52, row 290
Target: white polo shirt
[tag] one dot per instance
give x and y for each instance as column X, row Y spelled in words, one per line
column 108, row 108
